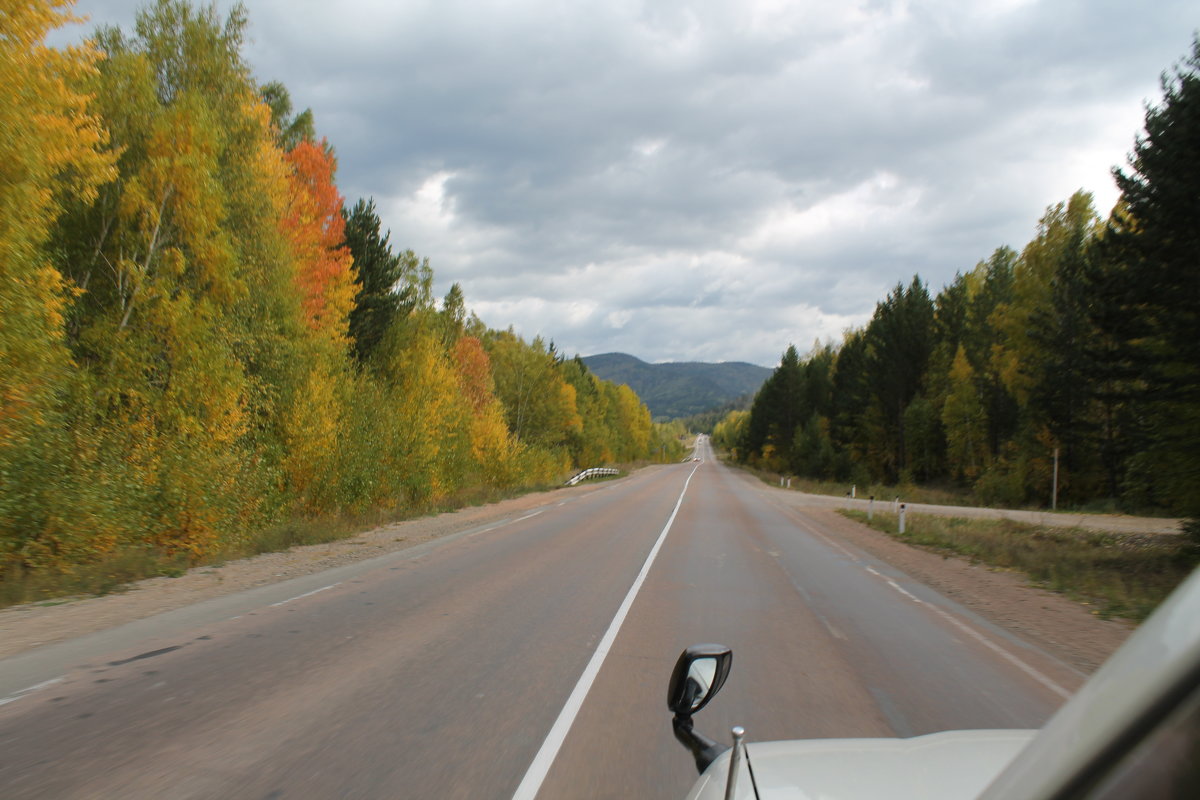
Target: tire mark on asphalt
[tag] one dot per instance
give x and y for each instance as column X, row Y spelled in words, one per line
column 140, row 656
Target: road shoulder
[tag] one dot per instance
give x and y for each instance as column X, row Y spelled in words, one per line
column 1062, row 627
column 33, row 625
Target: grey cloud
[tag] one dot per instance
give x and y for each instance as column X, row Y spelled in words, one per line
column 651, row 164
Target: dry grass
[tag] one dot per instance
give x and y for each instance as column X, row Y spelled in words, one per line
column 109, row 574
column 1121, row 575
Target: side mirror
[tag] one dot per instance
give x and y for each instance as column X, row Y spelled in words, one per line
column 699, row 674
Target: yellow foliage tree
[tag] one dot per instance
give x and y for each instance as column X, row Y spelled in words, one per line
column 434, row 447
column 492, row 447
column 965, row 421
column 51, row 148
column 538, row 404
column 634, row 424
column 188, row 322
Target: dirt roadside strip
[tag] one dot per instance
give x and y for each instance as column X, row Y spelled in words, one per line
column 1112, row 523
column 1063, row 627
column 26, row 627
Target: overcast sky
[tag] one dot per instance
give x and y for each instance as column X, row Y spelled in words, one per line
column 711, row 181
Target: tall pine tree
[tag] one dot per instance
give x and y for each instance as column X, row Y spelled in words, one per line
column 383, row 293
column 1152, row 247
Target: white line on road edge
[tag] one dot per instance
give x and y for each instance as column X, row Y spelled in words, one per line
column 974, row 634
column 542, row 762
column 306, row 594
column 977, row 636
column 505, row 523
column 28, row 691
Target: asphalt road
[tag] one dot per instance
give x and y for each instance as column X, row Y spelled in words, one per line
column 445, row 671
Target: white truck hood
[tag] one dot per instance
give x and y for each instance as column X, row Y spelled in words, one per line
column 940, row 766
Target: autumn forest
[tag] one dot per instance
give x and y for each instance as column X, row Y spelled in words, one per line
column 201, row 337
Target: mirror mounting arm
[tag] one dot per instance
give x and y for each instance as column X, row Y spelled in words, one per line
column 703, row 749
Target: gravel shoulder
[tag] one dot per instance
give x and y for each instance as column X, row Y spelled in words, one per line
column 1110, row 523
column 1060, row 626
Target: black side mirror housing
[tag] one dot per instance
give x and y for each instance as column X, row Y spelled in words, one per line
column 699, row 674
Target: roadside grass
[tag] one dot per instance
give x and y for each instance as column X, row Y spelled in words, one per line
column 105, row 575
column 117, row 571
column 1118, row 575
column 299, row 532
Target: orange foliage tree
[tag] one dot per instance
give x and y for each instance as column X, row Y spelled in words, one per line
column 315, row 225
column 492, row 448
column 314, row 418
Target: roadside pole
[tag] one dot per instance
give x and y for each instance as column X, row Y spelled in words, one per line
column 1054, row 487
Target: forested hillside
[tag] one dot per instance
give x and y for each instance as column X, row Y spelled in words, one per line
column 200, row 338
column 680, row 389
column 1086, row 343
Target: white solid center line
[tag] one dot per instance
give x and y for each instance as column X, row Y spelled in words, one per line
column 538, row 770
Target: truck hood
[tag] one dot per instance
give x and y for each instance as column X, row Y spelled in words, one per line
column 940, row 766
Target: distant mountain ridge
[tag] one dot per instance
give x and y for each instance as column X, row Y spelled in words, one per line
column 679, row 389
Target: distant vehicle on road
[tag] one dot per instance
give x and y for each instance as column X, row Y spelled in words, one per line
column 1132, row 731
